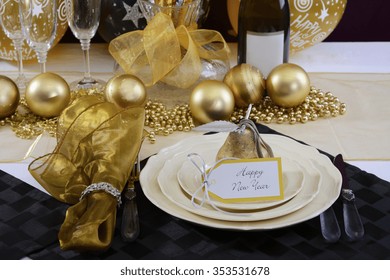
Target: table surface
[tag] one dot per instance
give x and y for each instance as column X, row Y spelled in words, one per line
column 358, row 73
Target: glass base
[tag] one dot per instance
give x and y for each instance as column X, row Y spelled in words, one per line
column 90, row 83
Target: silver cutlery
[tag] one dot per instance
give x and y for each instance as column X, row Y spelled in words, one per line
column 352, row 222
column 130, row 221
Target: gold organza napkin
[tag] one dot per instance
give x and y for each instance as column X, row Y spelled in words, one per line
column 98, row 142
column 164, row 53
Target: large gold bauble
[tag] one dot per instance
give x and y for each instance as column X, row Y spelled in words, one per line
column 247, row 84
column 7, row 50
column 311, row 21
column 47, row 95
column 125, row 91
column 9, row 97
column 211, row 100
column 288, row 85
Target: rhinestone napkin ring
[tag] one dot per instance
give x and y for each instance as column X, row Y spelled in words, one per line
column 103, row 186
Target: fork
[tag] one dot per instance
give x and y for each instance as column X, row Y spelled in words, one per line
column 130, row 221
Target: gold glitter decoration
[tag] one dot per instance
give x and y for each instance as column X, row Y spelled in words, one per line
column 318, row 104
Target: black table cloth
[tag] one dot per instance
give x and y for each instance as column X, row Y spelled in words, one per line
column 30, row 221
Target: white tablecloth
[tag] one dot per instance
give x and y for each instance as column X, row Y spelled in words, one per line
column 358, row 73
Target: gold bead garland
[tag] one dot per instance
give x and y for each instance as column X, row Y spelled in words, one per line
column 27, row 125
column 164, row 121
column 317, row 104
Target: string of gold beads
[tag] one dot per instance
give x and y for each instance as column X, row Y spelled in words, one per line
column 163, row 121
column 317, row 104
column 27, row 125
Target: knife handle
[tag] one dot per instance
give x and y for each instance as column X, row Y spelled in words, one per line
column 130, row 222
column 352, row 221
column 330, row 228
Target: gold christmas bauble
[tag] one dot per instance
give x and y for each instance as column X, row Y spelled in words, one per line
column 47, row 95
column 211, row 100
column 7, row 50
column 125, row 91
column 9, row 97
column 311, row 21
column 288, row 85
column 247, row 84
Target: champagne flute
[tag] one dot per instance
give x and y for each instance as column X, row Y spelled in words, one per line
column 39, row 23
column 83, row 19
column 10, row 21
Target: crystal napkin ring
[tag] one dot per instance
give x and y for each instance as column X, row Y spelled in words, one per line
column 103, row 186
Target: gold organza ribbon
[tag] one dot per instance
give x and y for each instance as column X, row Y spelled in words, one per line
column 97, row 143
column 164, row 53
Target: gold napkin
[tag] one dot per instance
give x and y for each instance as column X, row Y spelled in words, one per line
column 98, row 142
column 164, row 53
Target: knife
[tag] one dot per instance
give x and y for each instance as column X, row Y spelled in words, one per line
column 352, row 222
column 330, row 228
column 130, row 221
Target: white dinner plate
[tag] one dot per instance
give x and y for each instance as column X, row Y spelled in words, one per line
column 170, row 187
column 190, row 180
column 326, row 197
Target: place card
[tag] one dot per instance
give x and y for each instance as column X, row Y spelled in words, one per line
column 247, row 180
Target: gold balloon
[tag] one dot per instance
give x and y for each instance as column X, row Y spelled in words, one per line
column 211, row 100
column 125, row 91
column 9, row 97
column 47, row 95
column 7, row 50
column 311, row 21
column 288, row 85
column 247, row 84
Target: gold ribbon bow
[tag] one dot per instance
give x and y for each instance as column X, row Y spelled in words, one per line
column 164, row 53
column 98, row 143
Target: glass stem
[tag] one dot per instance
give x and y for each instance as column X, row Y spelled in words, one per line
column 85, row 45
column 18, row 44
column 43, row 67
column 42, row 60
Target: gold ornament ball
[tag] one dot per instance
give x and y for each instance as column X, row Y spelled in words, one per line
column 288, row 85
column 47, row 95
column 211, row 100
column 247, row 84
column 9, row 97
column 125, row 91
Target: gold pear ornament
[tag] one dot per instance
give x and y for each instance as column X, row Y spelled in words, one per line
column 245, row 142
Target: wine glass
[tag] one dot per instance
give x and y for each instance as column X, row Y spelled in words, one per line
column 10, row 21
column 39, row 23
column 83, row 19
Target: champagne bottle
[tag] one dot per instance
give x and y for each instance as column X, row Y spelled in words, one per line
column 263, row 33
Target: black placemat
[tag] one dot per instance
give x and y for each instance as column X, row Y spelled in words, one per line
column 30, row 220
